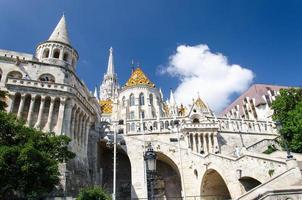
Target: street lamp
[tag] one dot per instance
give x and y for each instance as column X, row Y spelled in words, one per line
column 279, row 126
column 150, row 158
column 120, row 122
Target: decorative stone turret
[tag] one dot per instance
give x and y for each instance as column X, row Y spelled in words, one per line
column 57, row 49
column 109, row 87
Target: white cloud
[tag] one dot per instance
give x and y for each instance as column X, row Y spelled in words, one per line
column 210, row 74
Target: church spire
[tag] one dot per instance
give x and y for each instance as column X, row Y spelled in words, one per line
column 60, row 33
column 172, row 98
column 110, row 68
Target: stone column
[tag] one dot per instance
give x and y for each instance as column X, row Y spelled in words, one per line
column 76, row 130
column 79, row 127
column 205, row 143
column 197, row 142
column 59, row 123
column 67, row 117
column 202, row 142
column 21, row 106
column 88, row 125
column 37, row 125
column 50, row 113
column 10, row 103
column 210, row 143
column 72, row 119
column 31, row 109
column 215, row 140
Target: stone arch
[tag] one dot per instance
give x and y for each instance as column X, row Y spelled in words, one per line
column 248, row 183
column 36, row 109
column 168, row 178
column 123, row 170
column 54, row 117
column 14, row 74
column 213, row 186
column 47, row 78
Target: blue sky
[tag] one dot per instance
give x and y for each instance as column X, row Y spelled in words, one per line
column 263, row 36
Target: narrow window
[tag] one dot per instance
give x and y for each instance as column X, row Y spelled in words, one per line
column 132, row 100
column 141, row 99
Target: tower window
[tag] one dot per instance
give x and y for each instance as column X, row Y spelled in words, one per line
column 66, row 56
column 56, row 53
column 45, row 53
column 141, row 99
column 132, row 102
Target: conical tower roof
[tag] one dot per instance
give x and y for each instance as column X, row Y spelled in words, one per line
column 138, row 78
column 60, row 33
column 110, row 68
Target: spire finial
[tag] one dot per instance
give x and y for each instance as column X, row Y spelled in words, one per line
column 60, row 33
column 110, row 68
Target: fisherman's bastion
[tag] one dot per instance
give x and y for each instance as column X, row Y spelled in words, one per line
column 199, row 155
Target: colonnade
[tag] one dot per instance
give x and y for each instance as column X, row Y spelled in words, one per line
column 47, row 113
column 203, row 142
column 80, row 125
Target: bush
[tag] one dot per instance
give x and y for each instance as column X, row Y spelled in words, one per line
column 93, row 193
column 270, row 149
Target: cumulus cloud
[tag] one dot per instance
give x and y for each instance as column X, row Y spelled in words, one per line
column 201, row 71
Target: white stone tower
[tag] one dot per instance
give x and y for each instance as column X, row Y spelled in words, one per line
column 110, row 86
column 57, row 49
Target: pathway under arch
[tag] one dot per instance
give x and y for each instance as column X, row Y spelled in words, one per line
column 213, row 187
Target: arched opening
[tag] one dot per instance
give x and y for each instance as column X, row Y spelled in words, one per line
column 14, row 74
column 195, row 121
column 66, row 57
column 167, row 183
column 123, row 170
column 16, row 103
column 214, row 187
column 45, row 53
column 56, row 53
column 249, row 183
column 141, row 99
column 25, row 111
column 47, row 78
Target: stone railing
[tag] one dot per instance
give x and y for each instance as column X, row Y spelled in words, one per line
column 50, row 86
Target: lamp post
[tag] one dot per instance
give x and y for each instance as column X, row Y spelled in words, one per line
column 177, row 124
column 288, row 154
column 150, row 159
column 120, row 122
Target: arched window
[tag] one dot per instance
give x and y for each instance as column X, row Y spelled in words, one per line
column 56, row 53
column 151, row 99
column 66, row 56
column 45, row 53
column 132, row 100
column 141, row 99
column 14, row 74
column 132, row 115
column 47, row 78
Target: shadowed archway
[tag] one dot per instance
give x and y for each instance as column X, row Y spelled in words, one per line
column 213, row 187
column 123, row 171
column 249, row 183
column 168, row 181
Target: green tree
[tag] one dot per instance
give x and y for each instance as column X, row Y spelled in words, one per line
column 93, row 193
column 29, row 159
column 288, row 112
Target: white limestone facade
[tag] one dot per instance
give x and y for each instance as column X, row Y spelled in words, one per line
column 199, row 155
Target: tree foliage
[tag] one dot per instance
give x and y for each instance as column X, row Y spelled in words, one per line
column 93, row 193
column 29, row 159
column 288, row 112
